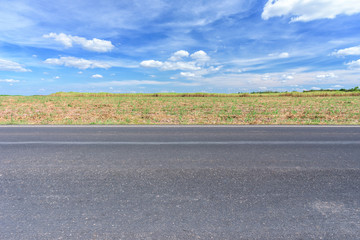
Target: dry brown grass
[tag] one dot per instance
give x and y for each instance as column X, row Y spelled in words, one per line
column 264, row 94
column 179, row 110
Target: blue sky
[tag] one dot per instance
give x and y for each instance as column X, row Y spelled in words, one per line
column 228, row 46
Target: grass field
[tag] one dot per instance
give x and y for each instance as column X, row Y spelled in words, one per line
column 262, row 108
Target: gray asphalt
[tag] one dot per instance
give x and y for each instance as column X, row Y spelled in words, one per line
column 179, row 182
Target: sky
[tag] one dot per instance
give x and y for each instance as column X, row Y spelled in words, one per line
column 153, row 46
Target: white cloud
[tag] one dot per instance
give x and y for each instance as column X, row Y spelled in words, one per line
column 95, row 45
column 97, row 76
column 186, row 66
column 248, row 64
column 194, row 68
column 179, row 55
column 200, row 56
column 151, row 64
column 347, row 51
column 308, row 10
column 199, row 13
column 354, row 64
column 62, row 37
column 6, row 65
column 326, row 76
column 208, row 70
column 187, row 74
column 201, row 72
column 128, row 83
column 168, row 66
column 315, row 88
column 266, row 77
column 9, row 80
column 295, row 78
column 174, row 63
column 77, row 62
column 284, row 55
column 57, row 77
column 279, row 55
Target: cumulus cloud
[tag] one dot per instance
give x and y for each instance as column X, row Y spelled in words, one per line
column 308, row 10
column 77, row 63
column 66, row 40
column 174, row 62
column 94, row 45
column 6, row 65
column 179, row 55
column 192, row 67
column 97, row 76
column 151, row 64
column 347, row 51
column 186, row 66
column 9, row 80
column 200, row 56
column 200, row 73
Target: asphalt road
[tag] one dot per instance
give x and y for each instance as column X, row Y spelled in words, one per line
column 179, row 183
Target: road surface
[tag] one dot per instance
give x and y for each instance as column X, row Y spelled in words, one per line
column 179, row 182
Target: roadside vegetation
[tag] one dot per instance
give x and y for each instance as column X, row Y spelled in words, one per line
column 311, row 107
column 312, row 93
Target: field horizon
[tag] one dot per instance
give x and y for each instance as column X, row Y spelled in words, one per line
column 312, row 93
column 328, row 107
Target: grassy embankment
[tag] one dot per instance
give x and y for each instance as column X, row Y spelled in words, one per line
column 314, row 107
